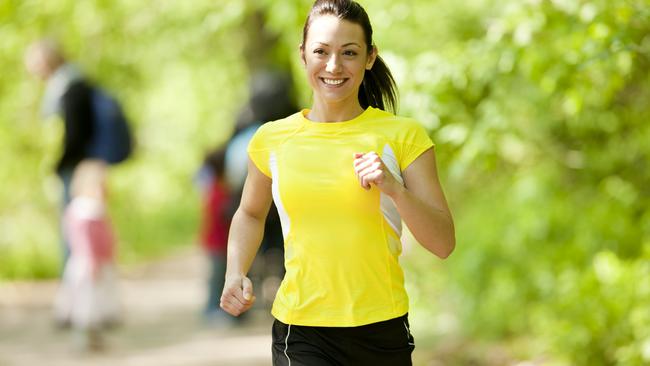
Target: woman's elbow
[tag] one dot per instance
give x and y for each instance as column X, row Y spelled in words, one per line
column 442, row 248
column 447, row 251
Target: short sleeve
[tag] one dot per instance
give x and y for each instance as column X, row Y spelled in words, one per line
column 413, row 141
column 259, row 151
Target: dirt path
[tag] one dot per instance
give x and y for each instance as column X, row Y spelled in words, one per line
column 162, row 327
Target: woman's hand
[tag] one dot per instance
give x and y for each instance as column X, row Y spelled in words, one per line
column 237, row 296
column 370, row 169
column 420, row 201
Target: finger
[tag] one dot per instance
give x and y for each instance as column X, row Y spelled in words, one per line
column 368, row 166
column 235, row 293
column 252, row 301
column 371, row 155
column 361, row 179
column 358, row 164
column 247, row 288
column 375, row 178
column 368, row 155
column 363, row 184
column 235, row 305
column 232, row 300
column 369, row 170
column 363, row 164
column 238, row 290
column 233, row 308
column 239, row 297
column 360, row 157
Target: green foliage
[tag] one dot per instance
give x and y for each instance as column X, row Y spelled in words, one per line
column 541, row 123
column 176, row 67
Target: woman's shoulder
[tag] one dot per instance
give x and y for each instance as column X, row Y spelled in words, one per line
column 270, row 132
column 288, row 122
column 392, row 122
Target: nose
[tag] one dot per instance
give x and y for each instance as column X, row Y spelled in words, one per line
column 333, row 64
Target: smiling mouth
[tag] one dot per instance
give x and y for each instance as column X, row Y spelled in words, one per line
column 333, row 82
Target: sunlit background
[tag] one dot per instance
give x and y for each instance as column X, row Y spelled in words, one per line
column 540, row 111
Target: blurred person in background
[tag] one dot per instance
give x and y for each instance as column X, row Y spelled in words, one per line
column 343, row 175
column 95, row 126
column 67, row 94
column 215, row 223
column 87, row 297
column 271, row 98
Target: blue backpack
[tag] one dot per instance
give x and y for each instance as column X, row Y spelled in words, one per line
column 111, row 140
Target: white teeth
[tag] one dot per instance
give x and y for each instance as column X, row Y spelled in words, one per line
column 333, row 81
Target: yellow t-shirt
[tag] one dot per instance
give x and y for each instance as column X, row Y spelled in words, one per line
column 341, row 241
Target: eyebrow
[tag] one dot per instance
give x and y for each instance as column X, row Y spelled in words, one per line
column 345, row 45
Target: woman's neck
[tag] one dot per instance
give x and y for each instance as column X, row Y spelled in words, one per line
column 323, row 112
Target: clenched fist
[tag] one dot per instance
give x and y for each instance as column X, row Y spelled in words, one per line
column 371, row 170
column 237, row 296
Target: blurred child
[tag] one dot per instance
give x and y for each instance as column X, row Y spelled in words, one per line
column 214, row 230
column 87, row 298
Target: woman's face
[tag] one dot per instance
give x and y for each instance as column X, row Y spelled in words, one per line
column 336, row 57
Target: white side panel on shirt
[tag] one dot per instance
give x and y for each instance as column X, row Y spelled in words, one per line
column 275, row 190
column 388, row 208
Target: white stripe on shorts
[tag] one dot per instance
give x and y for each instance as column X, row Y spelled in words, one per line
column 286, row 344
column 408, row 334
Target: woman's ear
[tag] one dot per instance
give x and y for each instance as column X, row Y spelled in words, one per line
column 302, row 54
column 372, row 57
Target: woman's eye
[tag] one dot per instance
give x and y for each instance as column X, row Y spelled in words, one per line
column 349, row 53
column 319, row 51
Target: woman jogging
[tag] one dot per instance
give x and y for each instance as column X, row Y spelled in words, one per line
column 343, row 175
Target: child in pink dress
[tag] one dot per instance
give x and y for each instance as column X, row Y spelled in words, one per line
column 87, row 297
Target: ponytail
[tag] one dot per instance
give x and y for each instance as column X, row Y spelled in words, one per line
column 378, row 88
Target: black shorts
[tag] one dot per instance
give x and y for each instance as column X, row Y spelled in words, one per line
column 384, row 343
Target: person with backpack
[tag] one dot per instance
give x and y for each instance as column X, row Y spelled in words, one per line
column 67, row 94
column 95, row 126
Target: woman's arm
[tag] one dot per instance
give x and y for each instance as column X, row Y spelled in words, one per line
column 420, row 201
column 246, row 231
